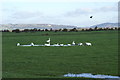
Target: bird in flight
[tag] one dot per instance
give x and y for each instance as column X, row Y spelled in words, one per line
column 91, row 16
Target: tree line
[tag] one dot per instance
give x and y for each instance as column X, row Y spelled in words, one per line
column 62, row 30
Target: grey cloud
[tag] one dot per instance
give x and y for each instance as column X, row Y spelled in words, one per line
column 87, row 11
column 108, row 9
column 24, row 15
column 19, row 16
column 79, row 12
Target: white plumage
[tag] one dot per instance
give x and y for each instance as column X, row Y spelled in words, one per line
column 18, row 44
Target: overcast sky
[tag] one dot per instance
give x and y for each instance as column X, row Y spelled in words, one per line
column 72, row 12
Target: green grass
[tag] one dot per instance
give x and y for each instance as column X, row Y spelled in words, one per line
column 39, row 62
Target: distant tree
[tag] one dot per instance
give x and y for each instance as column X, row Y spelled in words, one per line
column 46, row 30
column 103, row 29
column 95, row 28
column 56, row 30
column 116, row 28
column 64, row 30
column 107, row 28
column 39, row 30
column 51, row 29
column 74, row 29
column 111, row 28
column 90, row 29
column 100, row 29
column 82, row 30
column 5, row 31
column 35, row 29
column 26, row 30
column 16, row 30
column 42, row 30
column 60, row 30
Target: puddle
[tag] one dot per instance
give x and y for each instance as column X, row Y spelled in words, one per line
column 89, row 75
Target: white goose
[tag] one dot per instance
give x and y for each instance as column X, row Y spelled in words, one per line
column 18, row 44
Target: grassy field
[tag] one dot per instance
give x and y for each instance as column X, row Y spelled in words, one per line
column 40, row 62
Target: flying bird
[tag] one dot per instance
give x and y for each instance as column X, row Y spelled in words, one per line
column 91, row 16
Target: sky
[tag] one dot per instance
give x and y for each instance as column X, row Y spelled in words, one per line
column 62, row 12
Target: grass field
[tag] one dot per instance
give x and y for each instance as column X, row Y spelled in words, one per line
column 39, row 62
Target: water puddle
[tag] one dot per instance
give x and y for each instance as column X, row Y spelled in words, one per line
column 89, row 75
